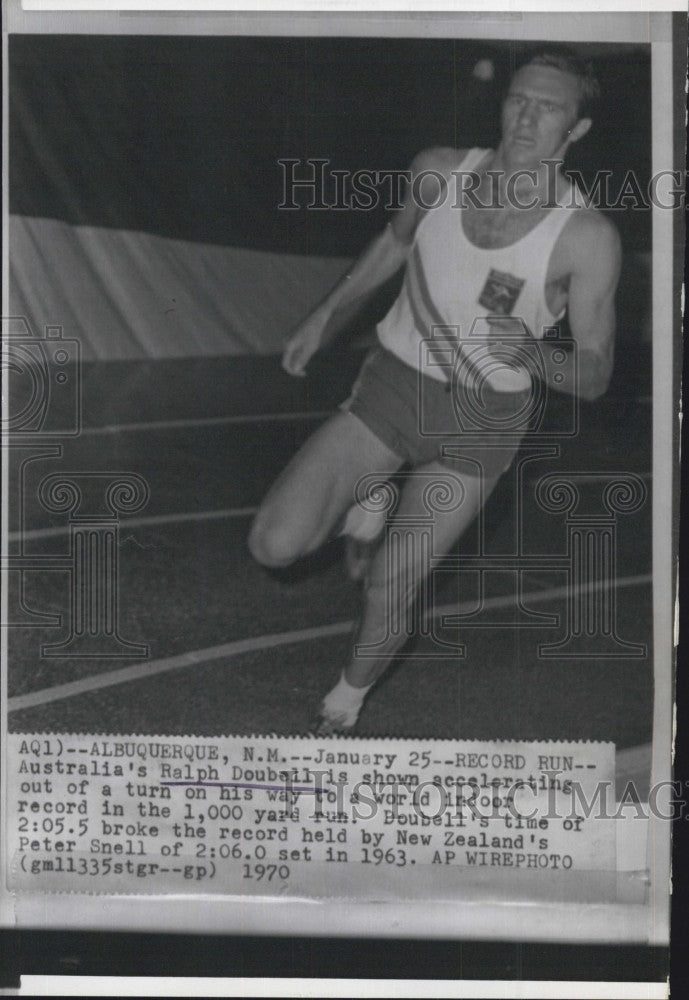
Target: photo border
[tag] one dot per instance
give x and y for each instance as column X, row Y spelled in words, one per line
column 136, row 912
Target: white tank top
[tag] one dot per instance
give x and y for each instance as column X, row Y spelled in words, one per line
column 451, row 282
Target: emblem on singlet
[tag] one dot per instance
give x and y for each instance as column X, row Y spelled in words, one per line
column 500, row 292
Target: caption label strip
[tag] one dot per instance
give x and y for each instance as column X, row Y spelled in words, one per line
column 307, row 818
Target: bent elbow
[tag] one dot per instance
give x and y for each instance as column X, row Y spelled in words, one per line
column 595, row 375
column 595, row 389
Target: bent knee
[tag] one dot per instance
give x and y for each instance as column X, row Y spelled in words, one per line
column 272, row 545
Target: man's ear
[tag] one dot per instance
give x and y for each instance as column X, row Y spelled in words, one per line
column 579, row 130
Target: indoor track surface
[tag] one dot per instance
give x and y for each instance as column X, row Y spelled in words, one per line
column 234, row 648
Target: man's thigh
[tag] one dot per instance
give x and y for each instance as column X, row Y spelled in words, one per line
column 433, row 495
column 318, row 484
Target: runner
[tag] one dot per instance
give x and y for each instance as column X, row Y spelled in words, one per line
column 496, row 246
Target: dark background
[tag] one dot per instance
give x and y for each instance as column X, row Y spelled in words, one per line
column 181, row 136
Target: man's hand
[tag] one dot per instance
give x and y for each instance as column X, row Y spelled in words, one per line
column 503, row 365
column 303, row 344
column 503, row 377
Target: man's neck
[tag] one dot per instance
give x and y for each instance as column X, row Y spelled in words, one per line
column 539, row 180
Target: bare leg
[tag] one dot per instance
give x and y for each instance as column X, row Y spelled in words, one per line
column 316, row 488
column 447, row 529
column 342, row 704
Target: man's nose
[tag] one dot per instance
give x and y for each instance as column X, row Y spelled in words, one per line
column 528, row 113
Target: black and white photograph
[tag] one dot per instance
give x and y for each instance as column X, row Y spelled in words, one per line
column 340, row 359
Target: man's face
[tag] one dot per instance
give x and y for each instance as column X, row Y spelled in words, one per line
column 539, row 110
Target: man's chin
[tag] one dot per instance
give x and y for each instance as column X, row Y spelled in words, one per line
column 524, row 152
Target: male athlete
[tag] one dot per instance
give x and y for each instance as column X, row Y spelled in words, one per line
column 517, row 247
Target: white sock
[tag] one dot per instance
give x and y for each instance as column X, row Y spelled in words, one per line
column 344, row 702
column 364, row 525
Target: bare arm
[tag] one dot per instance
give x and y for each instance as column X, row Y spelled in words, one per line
column 591, row 307
column 382, row 258
column 593, row 259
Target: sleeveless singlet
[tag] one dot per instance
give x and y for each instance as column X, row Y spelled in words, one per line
column 450, row 282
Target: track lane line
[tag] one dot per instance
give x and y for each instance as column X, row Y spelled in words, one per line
column 138, row 522
column 195, row 657
column 539, row 595
column 141, row 671
column 203, row 515
column 239, row 418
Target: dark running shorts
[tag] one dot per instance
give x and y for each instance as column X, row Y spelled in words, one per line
column 423, row 420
